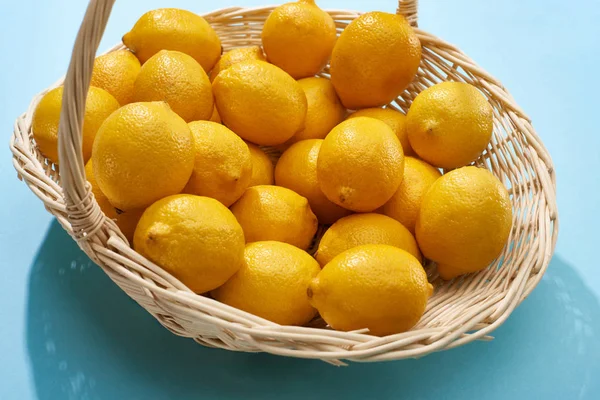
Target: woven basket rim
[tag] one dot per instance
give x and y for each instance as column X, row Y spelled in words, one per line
column 187, row 314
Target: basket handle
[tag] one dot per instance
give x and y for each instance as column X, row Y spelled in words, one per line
column 409, row 9
column 83, row 211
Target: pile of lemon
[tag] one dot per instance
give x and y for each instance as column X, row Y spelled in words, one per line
column 174, row 136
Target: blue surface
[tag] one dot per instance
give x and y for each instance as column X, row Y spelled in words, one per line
column 67, row 332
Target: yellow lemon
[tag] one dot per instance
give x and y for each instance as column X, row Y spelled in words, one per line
column 358, row 229
column 375, row 58
column 464, row 221
column 100, row 197
column 260, row 102
column 126, row 221
column 405, row 204
column 297, row 170
column 324, row 110
column 222, row 167
column 179, row 80
column 275, row 213
column 360, row 164
column 235, row 56
column 215, row 117
column 375, row 286
column 395, row 120
column 262, row 167
column 116, row 73
column 174, row 29
column 196, row 239
column 98, row 106
column 298, row 37
column 142, row 153
column 450, row 124
column 272, row 283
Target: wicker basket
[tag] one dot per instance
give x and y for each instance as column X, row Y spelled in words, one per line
column 460, row 311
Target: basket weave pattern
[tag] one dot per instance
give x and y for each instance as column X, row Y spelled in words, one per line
column 460, row 311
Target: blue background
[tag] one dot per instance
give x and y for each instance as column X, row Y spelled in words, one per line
column 67, row 332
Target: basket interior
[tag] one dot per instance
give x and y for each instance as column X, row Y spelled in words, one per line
column 509, row 156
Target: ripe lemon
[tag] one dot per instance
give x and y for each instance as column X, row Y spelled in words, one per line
column 194, row 238
column 375, row 58
column 324, row 110
column 297, row 170
column 395, row 120
column 405, row 204
column 464, row 221
column 262, row 167
column 235, row 56
column 100, row 197
column 222, row 167
column 179, row 80
column 375, row 286
column 215, row 117
column 360, row 164
column 116, row 73
column 174, row 29
column 359, row 229
column 260, row 102
column 98, row 106
column 272, row 283
column 142, row 153
column 275, row 213
column 126, row 221
column 299, row 37
column 450, row 124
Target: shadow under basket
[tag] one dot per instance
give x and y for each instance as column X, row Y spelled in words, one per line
column 460, row 311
